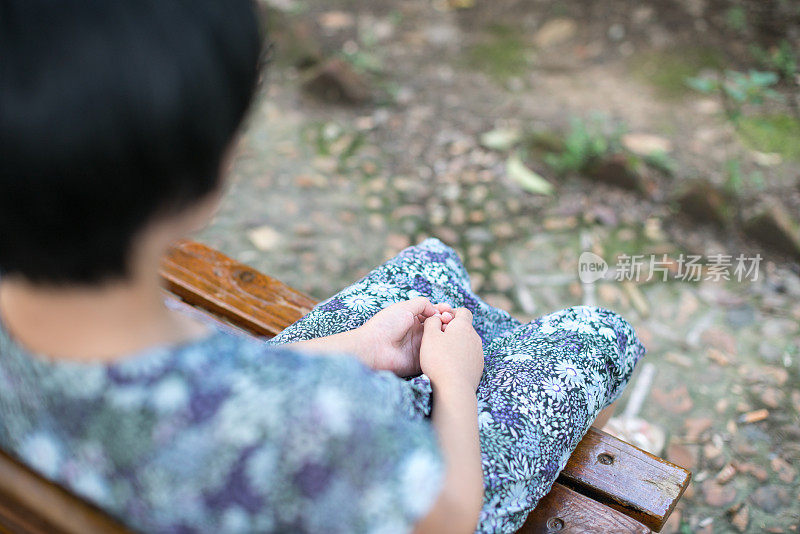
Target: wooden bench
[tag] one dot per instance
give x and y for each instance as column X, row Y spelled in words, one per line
column 608, row 485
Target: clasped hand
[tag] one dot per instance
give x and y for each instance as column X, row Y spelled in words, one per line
column 417, row 336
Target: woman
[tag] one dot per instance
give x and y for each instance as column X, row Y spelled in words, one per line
column 117, row 118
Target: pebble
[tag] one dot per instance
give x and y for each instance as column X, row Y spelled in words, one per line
column 502, row 281
column 499, row 301
column 265, row 237
column 771, row 498
column 717, row 495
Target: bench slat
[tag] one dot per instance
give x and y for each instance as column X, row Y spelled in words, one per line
column 566, row 511
column 630, row 480
column 253, row 301
column 31, row 504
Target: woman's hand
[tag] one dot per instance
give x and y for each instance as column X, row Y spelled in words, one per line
column 391, row 338
column 453, row 355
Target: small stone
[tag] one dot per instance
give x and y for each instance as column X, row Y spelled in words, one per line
column 676, row 401
column 673, row 524
column 502, row 281
column 499, row 301
column 756, row 471
column 683, row 455
column 717, row 495
column 678, row 359
column 477, row 216
column 646, row 144
column 457, row 215
column 398, row 242
column 771, row 397
column 696, row 426
column 503, row 230
column 476, row 281
column 740, row 517
column 771, row 498
column 446, row 234
column 264, row 237
column 333, row 21
column 786, row 473
column 765, row 374
column 496, row 259
column 304, row 230
column 560, row 223
column 718, row 357
column 555, row 32
column 726, row 474
column 754, row 416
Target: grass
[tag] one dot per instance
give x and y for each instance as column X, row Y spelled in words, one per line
column 502, row 54
column 772, row 133
column 668, row 70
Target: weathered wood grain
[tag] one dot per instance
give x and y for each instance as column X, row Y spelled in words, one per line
column 630, row 480
column 566, row 511
column 208, row 279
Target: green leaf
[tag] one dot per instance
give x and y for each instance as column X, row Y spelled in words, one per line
column 526, row 178
column 704, row 85
column 500, row 139
column 763, row 78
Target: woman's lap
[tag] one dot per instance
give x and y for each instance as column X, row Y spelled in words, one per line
column 544, row 382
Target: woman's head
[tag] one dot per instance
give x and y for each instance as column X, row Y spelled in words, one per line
column 113, row 113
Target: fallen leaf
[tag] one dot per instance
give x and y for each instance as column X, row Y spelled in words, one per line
column 526, row 178
column 646, row 144
column 500, row 139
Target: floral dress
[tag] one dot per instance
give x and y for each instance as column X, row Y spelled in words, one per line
column 232, row 435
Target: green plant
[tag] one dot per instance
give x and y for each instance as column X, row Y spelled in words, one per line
column 585, row 143
column 661, row 161
column 737, row 89
column 781, row 59
column 784, row 61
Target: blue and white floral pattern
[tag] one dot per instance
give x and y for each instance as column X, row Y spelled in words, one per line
column 544, row 382
column 231, row 435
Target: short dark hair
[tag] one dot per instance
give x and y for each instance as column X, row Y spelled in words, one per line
column 113, row 112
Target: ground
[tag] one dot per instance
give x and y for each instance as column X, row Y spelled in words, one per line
column 321, row 192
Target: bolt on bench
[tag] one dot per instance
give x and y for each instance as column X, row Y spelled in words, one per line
column 608, row 485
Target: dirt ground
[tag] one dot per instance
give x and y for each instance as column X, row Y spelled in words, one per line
column 321, row 192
